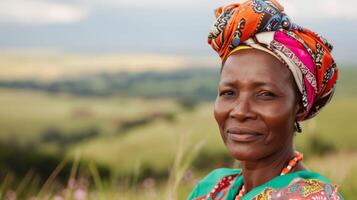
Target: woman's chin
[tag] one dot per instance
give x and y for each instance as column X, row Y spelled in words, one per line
column 243, row 155
column 244, row 152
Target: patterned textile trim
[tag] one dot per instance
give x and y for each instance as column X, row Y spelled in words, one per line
column 220, row 190
column 312, row 189
column 287, row 52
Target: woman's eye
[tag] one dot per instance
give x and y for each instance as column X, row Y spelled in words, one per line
column 227, row 93
column 266, row 94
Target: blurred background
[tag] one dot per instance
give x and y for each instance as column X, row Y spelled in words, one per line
column 113, row 99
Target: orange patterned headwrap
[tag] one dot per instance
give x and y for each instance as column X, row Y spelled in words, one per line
column 262, row 24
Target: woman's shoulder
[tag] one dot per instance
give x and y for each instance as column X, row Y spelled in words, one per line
column 303, row 185
column 205, row 185
column 304, row 189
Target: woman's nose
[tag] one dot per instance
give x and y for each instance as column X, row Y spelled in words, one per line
column 242, row 110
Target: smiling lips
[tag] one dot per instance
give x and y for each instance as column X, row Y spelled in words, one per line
column 243, row 135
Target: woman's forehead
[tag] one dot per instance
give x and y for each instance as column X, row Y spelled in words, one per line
column 254, row 66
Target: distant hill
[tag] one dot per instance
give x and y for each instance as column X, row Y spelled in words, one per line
column 196, row 83
column 52, row 66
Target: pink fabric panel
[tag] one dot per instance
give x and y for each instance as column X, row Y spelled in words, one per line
column 299, row 50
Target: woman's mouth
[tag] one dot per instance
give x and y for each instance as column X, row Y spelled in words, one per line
column 243, row 134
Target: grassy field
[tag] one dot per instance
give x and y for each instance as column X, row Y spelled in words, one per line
column 152, row 146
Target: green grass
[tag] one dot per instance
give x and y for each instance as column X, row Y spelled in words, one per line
column 336, row 124
column 25, row 114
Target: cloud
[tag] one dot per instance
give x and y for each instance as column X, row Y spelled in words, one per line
column 39, row 12
column 300, row 9
column 145, row 3
column 321, row 9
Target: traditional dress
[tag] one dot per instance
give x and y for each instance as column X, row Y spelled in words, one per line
column 224, row 184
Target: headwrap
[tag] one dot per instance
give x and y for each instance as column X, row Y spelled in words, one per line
column 263, row 25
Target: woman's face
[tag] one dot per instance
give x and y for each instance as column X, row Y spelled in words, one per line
column 256, row 105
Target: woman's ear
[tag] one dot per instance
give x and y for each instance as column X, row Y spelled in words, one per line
column 299, row 111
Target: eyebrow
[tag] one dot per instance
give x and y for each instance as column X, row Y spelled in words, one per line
column 255, row 84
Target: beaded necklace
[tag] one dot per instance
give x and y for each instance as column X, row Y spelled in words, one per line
column 292, row 163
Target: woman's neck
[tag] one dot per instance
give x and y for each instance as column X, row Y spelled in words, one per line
column 256, row 173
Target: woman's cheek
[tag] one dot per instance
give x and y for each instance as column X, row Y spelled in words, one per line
column 221, row 111
column 275, row 110
column 221, row 114
column 279, row 120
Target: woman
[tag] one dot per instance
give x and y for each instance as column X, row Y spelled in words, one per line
column 274, row 74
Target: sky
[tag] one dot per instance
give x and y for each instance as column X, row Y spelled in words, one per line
column 157, row 26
